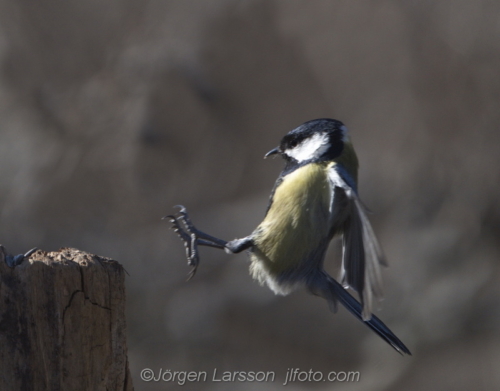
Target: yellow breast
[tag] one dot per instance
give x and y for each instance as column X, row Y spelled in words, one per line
column 296, row 223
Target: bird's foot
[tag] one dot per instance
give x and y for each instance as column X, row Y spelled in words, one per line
column 192, row 238
column 190, row 235
column 181, row 224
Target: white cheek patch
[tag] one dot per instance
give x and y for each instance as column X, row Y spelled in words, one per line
column 310, row 148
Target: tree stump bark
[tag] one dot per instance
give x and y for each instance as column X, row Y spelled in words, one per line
column 62, row 323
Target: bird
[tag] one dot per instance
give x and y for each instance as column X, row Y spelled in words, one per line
column 314, row 199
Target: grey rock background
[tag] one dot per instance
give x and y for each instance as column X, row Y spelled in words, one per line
column 112, row 112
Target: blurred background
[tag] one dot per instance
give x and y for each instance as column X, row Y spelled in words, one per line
column 113, row 112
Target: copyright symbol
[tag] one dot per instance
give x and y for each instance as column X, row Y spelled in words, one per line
column 147, row 374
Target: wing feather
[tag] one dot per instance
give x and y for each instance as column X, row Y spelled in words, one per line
column 362, row 255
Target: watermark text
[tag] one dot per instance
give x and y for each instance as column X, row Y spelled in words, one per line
column 292, row 375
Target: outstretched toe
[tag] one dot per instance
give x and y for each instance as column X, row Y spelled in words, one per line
column 182, row 226
column 192, row 237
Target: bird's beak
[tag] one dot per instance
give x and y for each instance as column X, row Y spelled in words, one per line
column 272, row 152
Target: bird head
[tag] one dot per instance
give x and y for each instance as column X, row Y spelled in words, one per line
column 318, row 140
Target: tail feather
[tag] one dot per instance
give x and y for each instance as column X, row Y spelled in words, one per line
column 336, row 291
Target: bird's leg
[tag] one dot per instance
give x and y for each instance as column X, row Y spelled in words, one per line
column 193, row 237
column 238, row 245
column 201, row 237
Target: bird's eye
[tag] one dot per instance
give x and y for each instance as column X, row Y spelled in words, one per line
column 293, row 143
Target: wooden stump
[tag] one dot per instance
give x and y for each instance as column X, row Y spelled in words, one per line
column 62, row 323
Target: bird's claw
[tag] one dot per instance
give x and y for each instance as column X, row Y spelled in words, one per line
column 181, row 224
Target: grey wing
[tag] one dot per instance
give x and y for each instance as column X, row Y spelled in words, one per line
column 362, row 256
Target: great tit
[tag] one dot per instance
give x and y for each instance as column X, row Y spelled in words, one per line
column 314, row 199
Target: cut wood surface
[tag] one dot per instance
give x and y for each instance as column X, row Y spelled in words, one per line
column 62, row 323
